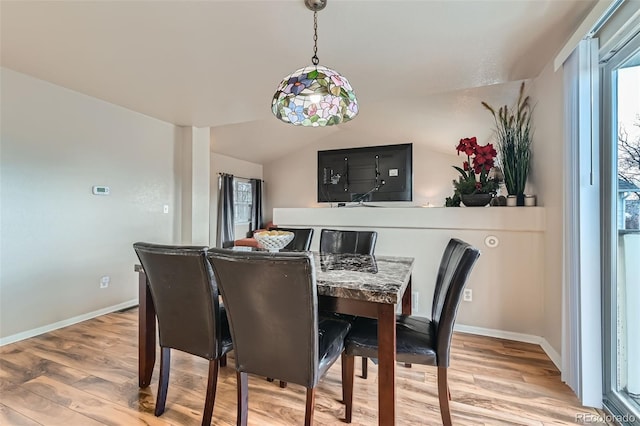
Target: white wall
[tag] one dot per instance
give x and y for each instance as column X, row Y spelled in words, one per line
column 58, row 239
column 195, row 189
column 224, row 164
column 292, row 182
column 547, row 92
column 507, row 281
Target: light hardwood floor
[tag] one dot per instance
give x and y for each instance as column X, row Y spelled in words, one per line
column 86, row 374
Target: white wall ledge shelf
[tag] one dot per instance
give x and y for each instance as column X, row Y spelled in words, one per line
column 515, row 219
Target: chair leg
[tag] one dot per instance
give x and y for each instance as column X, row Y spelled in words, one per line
column 311, row 402
column 243, row 398
column 343, row 369
column 223, row 361
column 364, row 367
column 443, row 396
column 163, row 382
column 210, row 399
column 348, row 373
column 282, row 384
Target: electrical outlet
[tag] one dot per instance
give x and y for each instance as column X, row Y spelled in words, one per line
column 467, row 295
column 414, row 300
column 104, row 281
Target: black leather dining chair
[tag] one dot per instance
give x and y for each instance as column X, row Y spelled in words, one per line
column 355, row 242
column 190, row 318
column 339, row 241
column 301, row 239
column 301, row 242
column 272, row 305
column 419, row 340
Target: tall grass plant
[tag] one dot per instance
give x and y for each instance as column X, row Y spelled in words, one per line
column 513, row 140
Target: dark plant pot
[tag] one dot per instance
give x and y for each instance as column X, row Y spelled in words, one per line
column 476, row 200
column 520, row 200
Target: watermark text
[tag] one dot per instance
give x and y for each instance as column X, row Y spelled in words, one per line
column 587, row 418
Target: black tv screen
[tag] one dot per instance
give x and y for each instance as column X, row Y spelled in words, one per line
column 373, row 173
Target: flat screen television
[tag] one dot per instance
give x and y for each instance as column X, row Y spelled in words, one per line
column 373, row 173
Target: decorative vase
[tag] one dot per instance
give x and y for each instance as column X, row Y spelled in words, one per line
column 520, row 199
column 476, row 200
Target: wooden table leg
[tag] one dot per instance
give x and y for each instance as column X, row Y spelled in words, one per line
column 146, row 331
column 406, row 300
column 387, row 366
column 406, row 306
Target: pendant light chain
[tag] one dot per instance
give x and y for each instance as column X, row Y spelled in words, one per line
column 314, row 58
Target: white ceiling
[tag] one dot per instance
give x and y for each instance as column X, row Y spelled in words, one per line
column 417, row 66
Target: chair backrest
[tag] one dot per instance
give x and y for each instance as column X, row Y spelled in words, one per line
column 272, row 305
column 357, row 242
column 301, row 239
column 185, row 297
column 457, row 262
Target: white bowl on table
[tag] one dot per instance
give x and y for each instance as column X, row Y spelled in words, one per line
column 273, row 240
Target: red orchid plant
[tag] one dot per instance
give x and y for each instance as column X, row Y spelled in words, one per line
column 474, row 173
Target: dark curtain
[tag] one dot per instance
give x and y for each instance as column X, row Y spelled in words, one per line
column 256, row 204
column 225, row 237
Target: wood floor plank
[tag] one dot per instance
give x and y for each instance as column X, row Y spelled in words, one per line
column 11, row 417
column 99, row 409
column 21, row 366
column 87, row 358
column 86, row 374
column 43, row 410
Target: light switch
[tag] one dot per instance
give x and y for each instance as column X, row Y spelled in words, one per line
column 165, row 209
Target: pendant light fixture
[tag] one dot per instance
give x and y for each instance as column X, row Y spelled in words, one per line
column 315, row 96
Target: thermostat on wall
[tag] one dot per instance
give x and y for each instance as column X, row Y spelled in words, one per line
column 100, row 190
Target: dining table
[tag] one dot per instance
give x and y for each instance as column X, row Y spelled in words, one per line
column 361, row 285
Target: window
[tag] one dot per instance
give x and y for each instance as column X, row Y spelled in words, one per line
column 621, row 175
column 242, row 195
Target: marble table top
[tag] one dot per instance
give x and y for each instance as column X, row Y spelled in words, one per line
column 381, row 279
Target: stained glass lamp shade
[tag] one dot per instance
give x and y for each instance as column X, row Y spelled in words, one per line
column 315, row 96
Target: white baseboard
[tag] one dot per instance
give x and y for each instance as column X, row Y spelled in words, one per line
column 518, row 337
column 64, row 323
column 552, row 353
